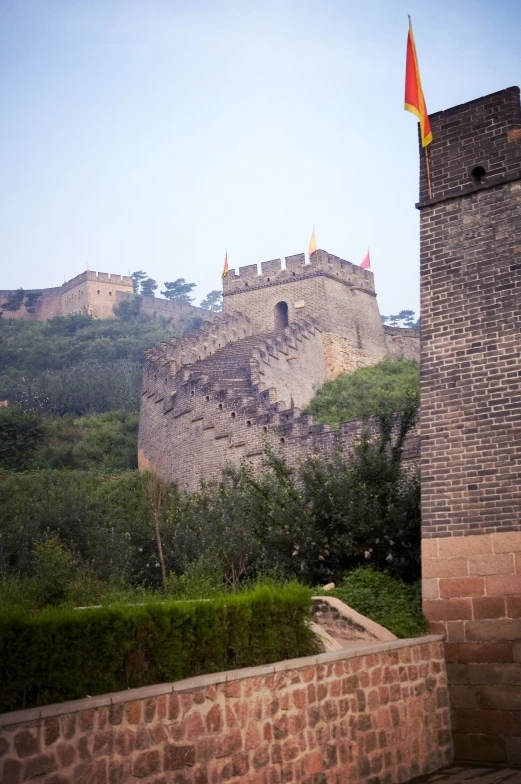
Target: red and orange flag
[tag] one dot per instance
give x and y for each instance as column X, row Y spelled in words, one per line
column 414, row 100
column 225, row 268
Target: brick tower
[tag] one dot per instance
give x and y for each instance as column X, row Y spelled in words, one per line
column 340, row 295
column 471, row 416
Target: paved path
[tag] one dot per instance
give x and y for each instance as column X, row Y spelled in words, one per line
column 465, row 773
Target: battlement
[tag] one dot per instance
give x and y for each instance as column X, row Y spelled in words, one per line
column 296, row 268
column 202, row 342
column 97, row 277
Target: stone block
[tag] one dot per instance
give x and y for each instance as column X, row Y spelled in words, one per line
column 489, row 607
column 499, row 697
column 456, row 587
column 507, row 629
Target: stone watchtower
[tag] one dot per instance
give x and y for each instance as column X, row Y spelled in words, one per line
column 340, row 295
column 471, row 415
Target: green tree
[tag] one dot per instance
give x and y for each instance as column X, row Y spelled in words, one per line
column 137, row 277
column 386, row 387
column 213, row 301
column 128, row 309
column 179, row 290
column 405, row 318
column 15, row 301
column 148, row 287
column 21, row 433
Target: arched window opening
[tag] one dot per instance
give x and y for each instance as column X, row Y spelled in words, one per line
column 281, row 315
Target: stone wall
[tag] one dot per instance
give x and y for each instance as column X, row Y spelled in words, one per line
column 94, row 293
column 340, row 295
column 199, row 414
column 373, row 714
column 471, row 415
column 47, row 307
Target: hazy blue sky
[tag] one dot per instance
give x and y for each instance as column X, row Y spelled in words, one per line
column 153, row 134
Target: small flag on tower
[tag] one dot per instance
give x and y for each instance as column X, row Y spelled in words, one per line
column 414, row 100
column 225, row 268
column 312, row 243
column 366, row 263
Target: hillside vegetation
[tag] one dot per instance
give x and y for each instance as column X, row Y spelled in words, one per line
column 75, row 364
column 80, row 526
column 389, row 386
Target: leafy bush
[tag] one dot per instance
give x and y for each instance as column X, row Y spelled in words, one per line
column 386, row 600
column 21, row 433
column 58, row 655
column 106, row 443
column 385, row 388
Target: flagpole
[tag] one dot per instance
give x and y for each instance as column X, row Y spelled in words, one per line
column 428, row 165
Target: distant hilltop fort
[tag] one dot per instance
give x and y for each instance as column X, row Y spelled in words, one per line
column 218, row 395
column 96, row 294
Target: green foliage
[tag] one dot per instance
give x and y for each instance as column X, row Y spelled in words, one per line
column 386, row 600
column 20, row 297
column 15, row 301
column 385, row 388
column 179, row 290
column 52, row 572
column 213, row 301
column 59, row 655
column 405, row 318
column 148, row 287
column 21, row 433
column 105, row 443
column 129, row 309
column 137, row 277
column 313, row 523
column 75, row 364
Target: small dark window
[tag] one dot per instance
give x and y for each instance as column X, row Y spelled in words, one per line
column 248, row 423
column 220, row 406
column 478, row 175
column 207, row 398
column 98, row 291
column 110, row 293
column 233, row 414
column 282, row 441
column 281, row 315
column 192, row 393
column 264, row 429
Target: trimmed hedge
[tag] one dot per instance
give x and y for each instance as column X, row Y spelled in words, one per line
column 65, row 654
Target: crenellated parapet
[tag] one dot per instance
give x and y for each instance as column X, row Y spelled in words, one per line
column 225, row 406
column 296, row 268
column 202, row 342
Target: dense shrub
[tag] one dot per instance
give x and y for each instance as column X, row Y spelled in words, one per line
column 21, row 433
column 385, row 388
column 388, row 601
column 59, row 655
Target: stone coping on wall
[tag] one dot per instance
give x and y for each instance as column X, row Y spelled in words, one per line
column 201, row 681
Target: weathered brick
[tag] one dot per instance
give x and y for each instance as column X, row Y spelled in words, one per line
column 11, row 771
column 179, row 756
column 39, row 765
column 497, row 651
column 146, row 763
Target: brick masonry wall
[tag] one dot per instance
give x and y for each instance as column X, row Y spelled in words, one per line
column 191, row 426
column 471, row 416
column 334, row 291
column 472, row 595
column 49, row 305
column 373, row 715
